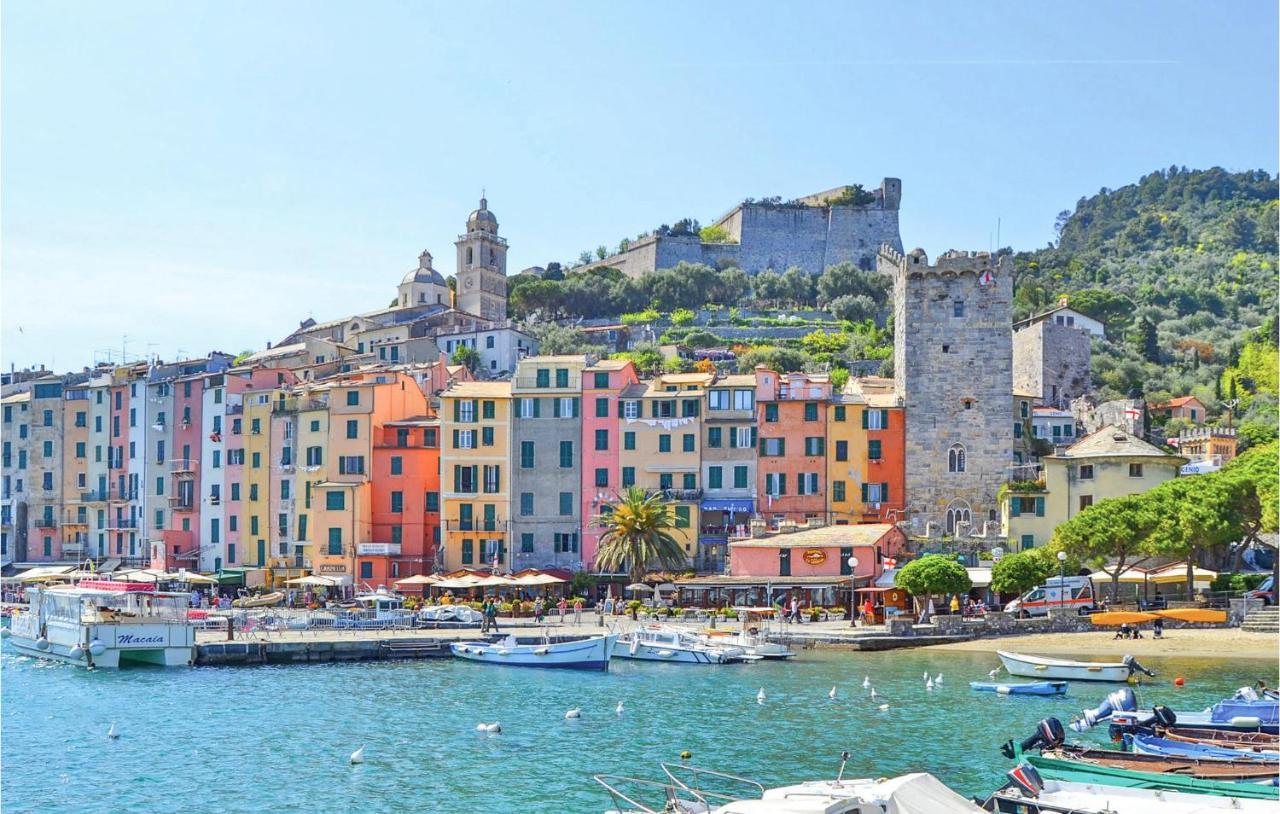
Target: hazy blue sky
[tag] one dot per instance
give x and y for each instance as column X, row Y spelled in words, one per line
column 203, row 176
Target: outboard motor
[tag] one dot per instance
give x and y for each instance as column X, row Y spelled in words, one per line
column 1049, row 735
column 1135, row 667
column 1122, row 700
column 1163, row 716
column 1246, row 694
column 1025, row 779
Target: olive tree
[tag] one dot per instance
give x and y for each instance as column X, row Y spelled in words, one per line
column 932, row 574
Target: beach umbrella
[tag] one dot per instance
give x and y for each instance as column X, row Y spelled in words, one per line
column 418, row 579
column 638, row 586
column 191, row 578
column 1177, row 574
column 538, row 579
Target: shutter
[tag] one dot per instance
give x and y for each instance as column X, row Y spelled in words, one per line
column 1039, row 507
column 537, row 408
column 884, row 493
column 555, row 407
column 577, row 407
column 884, row 419
column 865, row 423
column 1015, row 507
column 457, row 410
column 475, row 409
column 620, row 408
column 754, row 433
column 864, row 493
column 457, row 476
column 782, row 483
column 733, row 437
column 782, row 447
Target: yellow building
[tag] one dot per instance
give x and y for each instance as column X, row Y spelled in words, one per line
column 475, row 459
column 1109, row 463
column 661, row 445
column 255, row 487
column 75, row 473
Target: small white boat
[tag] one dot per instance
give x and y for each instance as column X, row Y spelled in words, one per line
column 1028, row 793
column 1044, row 668
column 100, row 623
column 670, row 644
column 751, row 645
column 583, row 654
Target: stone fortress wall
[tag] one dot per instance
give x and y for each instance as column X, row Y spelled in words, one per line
column 1052, row 361
column 808, row 234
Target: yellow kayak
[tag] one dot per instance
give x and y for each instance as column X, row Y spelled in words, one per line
column 1194, row 615
column 1121, row 618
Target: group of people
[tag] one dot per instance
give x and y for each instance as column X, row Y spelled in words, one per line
column 967, row 607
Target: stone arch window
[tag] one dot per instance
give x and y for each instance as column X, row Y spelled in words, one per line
column 422, row 297
column 469, row 260
column 955, row 458
column 958, row 513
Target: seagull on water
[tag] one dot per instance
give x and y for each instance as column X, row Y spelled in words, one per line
column 357, row 756
column 866, row 682
column 112, row 733
column 873, row 693
column 618, row 709
column 760, row 696
column 573, row 713
column 832, row 694
column 928, row 684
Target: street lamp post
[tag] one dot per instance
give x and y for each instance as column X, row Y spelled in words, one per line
column 853, row 581
column 1062, row 578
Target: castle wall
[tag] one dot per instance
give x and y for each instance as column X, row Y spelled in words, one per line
column 954, row 373
column 1052, row 361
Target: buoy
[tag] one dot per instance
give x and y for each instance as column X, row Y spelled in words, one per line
column 573, row 713
column 42, row 643
column 832, row 694
column 493, row 728
column 760, row 696
column 1179, row 681
column 358, row 755
column 97, row 648
column 928, row 684
column 685, row 755
column 866, row 682
column 619, row 708
column 112, row 733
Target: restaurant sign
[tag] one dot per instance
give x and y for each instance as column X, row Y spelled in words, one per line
column 332, row 568
column 815, row 556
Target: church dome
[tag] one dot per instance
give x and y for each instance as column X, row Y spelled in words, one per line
column 423, row 273
column 482, row 219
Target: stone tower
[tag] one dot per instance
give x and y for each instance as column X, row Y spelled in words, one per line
column 482, row 267
column 952, row 365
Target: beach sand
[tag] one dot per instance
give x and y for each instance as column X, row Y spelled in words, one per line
column 1194, row 642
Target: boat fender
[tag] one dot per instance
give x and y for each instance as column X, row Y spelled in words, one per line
column 635, row 645
column 1246, row 722
column 77, row 652
column 1164, row 716
column 1025, row 779
column 1003, row 689
column 97, row 648
column 42, row 643
column 541, row 651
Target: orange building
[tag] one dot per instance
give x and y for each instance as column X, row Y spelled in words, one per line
column 405, row 501
column 791, row 474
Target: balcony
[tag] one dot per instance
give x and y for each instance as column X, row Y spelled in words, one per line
column 482, row 525
column 180, row 503
column 122, row 523
column 378, row 549
column 73, row 548
column 73, row 518
column 184, row 467
column 681, row 495
column 46, row 523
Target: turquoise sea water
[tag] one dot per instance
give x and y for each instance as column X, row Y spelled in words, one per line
column 278, row 738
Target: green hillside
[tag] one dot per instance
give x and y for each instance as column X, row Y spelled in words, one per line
column 1182, row 268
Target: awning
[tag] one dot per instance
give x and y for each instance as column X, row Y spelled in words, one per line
column 1129, row 576
column 980, row 577
column 737, row 505
column 1176, row 574
column 885, row 580
column 230, row 576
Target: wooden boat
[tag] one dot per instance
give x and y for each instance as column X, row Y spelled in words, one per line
column 1028, row 793
column 583, row 654
column 1042, row 667
column 1201, row 768
column 1153, row 745
column 1257, row 741
column 261, row 601
column 1054, row 768
column 1025, row 688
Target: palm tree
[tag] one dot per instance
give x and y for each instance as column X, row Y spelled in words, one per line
column 637, row 531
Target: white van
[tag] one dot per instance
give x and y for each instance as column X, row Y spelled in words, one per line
column 1056, row 592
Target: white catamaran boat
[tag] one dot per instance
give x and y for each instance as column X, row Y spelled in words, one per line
column 100, row 623
column 1042, row 667
column 662, row 643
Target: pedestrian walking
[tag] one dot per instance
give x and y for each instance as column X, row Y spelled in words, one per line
column 537, row 610
column 577, row 611
column 491, row 615
column 795, row 610
column 562, row 606
column 484, row 616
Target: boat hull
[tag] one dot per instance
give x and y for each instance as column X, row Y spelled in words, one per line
column 1152, row 745
column 1061, row 797
column 1029, row 688
column 1078, row 772
column 1043, row 668
column 586, row 654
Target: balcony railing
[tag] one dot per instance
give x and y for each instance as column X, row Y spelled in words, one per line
column 184, row 466
column 685, row 495
column 181, row 503
column 122, row 523
column 72, row 518
column 46, row 523
column 71, row 547
column 476, row 525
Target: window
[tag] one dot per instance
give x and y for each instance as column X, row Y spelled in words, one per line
column 468, row 546
column 664, row 443
column 1017, row 429
column 486, row 436
column 566, row 454
column 350, row 465
column 542, row 377
column 631, row 409
column 811, row 411
column 80, row 450
column 773, row 447
column 1135, row 470
column 682, row 517
column 314, row 456
column 1028, row 541
column 353, row 428
column 353, row 398
column 718, row 400
column 602, row 407
column 740, row 477
column 285, row 490
column 602, row 439
column 784, row 562
column 602, row 477
column 840, row 410
column 715, row 437
column 743, row 437
column 628, row 440
column 715, row 477
column 492, row 479
column 744, row 399
column 955, row 459
column 873, row 453
column 397, row 465
column 489, row 342
column 335, row 542
column 814, row 446
column 837, row 491
column 1025, row 408
column 690, row 442
column 807, row 483
column 526, row 455
column 628, row 476
column 875, row 492
column 775, row 483
column 566, row 504
column 335, row 500
column 48, row 417
column 566, row 407
column 433, row 501
column 956, row 516
column 1086, row 472
column 487, row 409
column 666, row 481
column 526, row 543
column 464, row 411
column 601, row 380
column 397, row 502
column 1085, row 501
column 771, row 413
column 562, row 377
column 842, row 450
column 875, row 419
column 957, row 308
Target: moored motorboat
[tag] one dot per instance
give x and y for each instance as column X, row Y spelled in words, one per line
column 1022, row 688
column 752, row 645
column 1254, row 741
column 1029, row 793
column 1043, row 667
column 101, row 623
column 1154, row 745
column 582, row 654
column 673, row 645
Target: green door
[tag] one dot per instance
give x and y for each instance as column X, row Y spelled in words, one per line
column 262, row 552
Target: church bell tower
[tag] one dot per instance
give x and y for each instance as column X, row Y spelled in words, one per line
column 482, row 267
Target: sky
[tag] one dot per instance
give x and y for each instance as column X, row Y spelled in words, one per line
column 177, row 178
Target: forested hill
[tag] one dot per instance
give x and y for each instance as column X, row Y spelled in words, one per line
column 1182, row 267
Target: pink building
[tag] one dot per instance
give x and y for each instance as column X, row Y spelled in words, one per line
column 822, row 552
column 601, row 441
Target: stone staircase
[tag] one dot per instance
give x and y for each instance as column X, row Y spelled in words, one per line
column 1263, row 620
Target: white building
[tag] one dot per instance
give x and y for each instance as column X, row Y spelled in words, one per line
column 499, row 348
